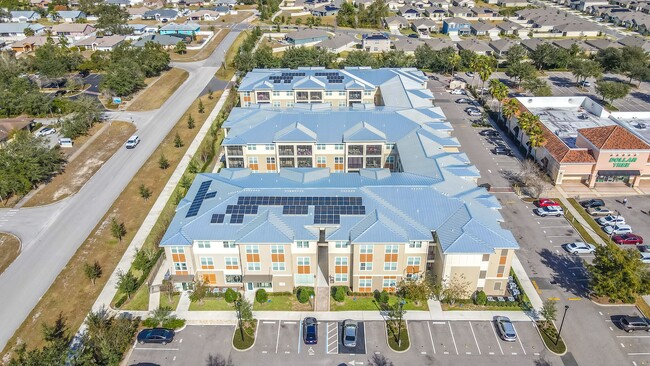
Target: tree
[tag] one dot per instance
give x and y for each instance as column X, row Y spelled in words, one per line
column 521, row 71
column 480, row 298
column 201, row 107
column 83, row 112
column 29, row 32
column 499, row 91
column 582, row 69
column 180, row 47
column 190, row 122
column 145, row 192
column 160, row 316
column 92, row 271
column 199, row 291
column 485, row 68
column 360, row 58
column 231, row 295
column 612, row 90
column 346, row 17
column 112, row 19
column 415, row 290
column 52, row 61
column 106, row 339
column 261, row 296
column 127, row 283
column 395, row 315
column 618, row 274
column 511, row 108
column 538, row 87
column 634, row 63
column 123, row 78
column 610, row 58
column 163, row 163
column 455, row 288
column 118, row 230
column 515, row 54
column 543, row 56
column 245, row 310
column 548, row 312
column 178, row 142
column 339, row 294
column 394, row 58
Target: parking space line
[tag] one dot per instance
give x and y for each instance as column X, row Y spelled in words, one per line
column 300, row 336
column 156, row 349
column 431, row 338
column 475, row 340
column 519, row 339
column 495, row 337
column 631, row 336
column 452, row 337
column 277, row 341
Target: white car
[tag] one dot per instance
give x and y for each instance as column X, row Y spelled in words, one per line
column 458, row 92
column 470, row 74
column 618, row 229
column 579, row 247
column 132, row 142
column 645, row 257
column 46, row 131
column 600, row 211
column 550, row 211
column 611, row 220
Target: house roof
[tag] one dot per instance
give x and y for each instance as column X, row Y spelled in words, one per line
column 456, row 20
column 162, row 39
column 613, row 138
column 25, row 13
column 395, row 20
column 339, row 40
column 103, row 42
column 475, row 45
column 72, row 28
column 19, row 27
column 509, row 25
column 561, row 152
column 165, row 13
column 502, row 45
column 484, row 27
column 376, row 37
column 9, row 124
column 71, row 14
column 188, row 27
column 33, row 40
column 307, row 34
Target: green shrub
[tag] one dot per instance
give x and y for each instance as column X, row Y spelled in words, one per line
column 339, row 294
column 383, row 297
column 304, row 293
column 261, row 296
column 231, row 295
column 120, row 302
column 480, row 298
column 174, row 323
column 150, row 323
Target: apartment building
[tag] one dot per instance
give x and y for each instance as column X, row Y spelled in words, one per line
column 350, row 218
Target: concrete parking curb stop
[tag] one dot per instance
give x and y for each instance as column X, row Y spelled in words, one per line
column 407, row 333
column 234, row 334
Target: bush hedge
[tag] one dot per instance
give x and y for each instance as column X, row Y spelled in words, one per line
column 261, row 296
column 339, row 294
column 304, row 293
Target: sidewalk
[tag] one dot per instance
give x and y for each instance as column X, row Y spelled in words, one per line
column 578, row 217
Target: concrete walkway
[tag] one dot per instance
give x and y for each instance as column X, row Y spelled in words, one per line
column 183, row 303
column 579, row 217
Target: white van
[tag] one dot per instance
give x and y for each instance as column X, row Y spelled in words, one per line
column 65, row 142
column 132, row 142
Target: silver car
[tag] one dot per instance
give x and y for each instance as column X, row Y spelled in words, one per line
column 579, row 247
column 350, row 333
column 505, row 328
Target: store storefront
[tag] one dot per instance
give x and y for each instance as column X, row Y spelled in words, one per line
column 613, row 176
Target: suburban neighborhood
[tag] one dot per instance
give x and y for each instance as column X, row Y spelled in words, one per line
column 311, row 182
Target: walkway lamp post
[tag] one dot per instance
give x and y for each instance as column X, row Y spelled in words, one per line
column 238, row 310
column 557, row 339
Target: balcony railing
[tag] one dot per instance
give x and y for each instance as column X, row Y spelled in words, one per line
column 286, row 150
column 373, row 162
column 235, row 150
column 304, row 163
column 373, row 150
column 304, row 150
column 235, row 163
column 286, row 162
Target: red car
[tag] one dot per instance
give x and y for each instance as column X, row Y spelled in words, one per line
column 628, row 239
column 543, row 202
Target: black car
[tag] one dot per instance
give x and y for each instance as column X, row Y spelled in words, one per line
column 310, row 330
column 632, row 323
column 413, row 35
column 489, row 133
column 156, row 335
column 594, row 202
column 502, row 150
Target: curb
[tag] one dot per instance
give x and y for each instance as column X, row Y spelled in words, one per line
column 620, row 305
column 388, row 344
column 257, row 323
column 545, row 346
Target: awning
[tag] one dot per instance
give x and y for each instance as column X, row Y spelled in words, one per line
column 615, row 173
column 258, row 278
column 182, row 278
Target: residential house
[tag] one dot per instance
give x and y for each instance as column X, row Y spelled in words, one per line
column 481, row 12
column 138, row 29
column 582, row 5
column 512, row 3
column 105, row 43
column 166, row 41
column 409, row 12
column 74, row 31
column 43, row 4
column 407, row 45
column 339, row 43
column 376, row 42
column 581, row 29
column 502, row 46
column 636, row 41
column 120, row 3
column 464, row 3
column 188, row 29
column 326, row 10
column 224, row 10
column 435, row 13
column 160, row 15
column 509, row 27
column 29, row 44
column 24, row 16
column 442, row 4
column 204, row 14
column 8, row 125
column 567, row 44
column 457, row 26
column 69, row 16
column 485, row 29
column 531, row 44
column 136, row 13
column 459, row 11
column 438, row 44
column 228, row 3
column 395, row 22
column 477, row 46
column 424, row 26
column 601, row 44
column 10, row 32
column 306, row 37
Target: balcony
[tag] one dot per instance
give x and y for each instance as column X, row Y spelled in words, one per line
column 286, row 150
column 373, row 150
column 355, row 95
column 235, row 162
column 304, row 163
column 373, row 162
column 355, row 150
column 304, row 150
column 286, row 163
column 235, row 150
column 355, row 163
column 316, row 96
column 263, row 97
column 302, row 97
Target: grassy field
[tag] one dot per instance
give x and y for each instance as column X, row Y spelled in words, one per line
column 157, row 93
column 203, row 53
column 230, row 58
column 71, row 293
column 139, row 300
column 164, row 300
column 212, row 304
column 9, row 250
column 366, row 303
column 643, row 306
column 249, row 336
column 283, row 303
column 84, row 166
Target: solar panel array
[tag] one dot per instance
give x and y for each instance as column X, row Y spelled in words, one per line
column 211, row 195
column 236, row 219
column 289, row 201
column 217, row 219
column 241, row 209
column 295, row 210
column 285, row 77
column 198, row 199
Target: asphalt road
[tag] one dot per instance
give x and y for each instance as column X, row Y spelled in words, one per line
column 52, row 234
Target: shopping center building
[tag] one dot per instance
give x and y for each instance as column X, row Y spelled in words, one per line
column 344, row 191
column 586, row 143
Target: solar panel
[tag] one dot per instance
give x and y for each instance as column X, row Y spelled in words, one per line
column 211, row 195
column 236, row 219
column 198, row 199
column 217, row 218
column 295, row 210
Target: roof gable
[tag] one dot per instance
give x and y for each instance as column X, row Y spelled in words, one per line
column 613, row 138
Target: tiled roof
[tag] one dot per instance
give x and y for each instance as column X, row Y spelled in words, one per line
column 613, row 138
column 561, row 152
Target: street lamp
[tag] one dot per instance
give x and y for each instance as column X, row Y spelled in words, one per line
column 238, row 310
column 399, row 326
column 618, row 214
column 557, row 339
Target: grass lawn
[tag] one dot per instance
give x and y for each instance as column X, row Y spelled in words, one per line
column 71, row 293
column 212, row 304
column 366, row 303
column 9, row 250
column 549, row 336
column 283, row 303
column 230, row 58
column 641, row 304
column 157, row 93
column 249, row 336
column 203, row 53
column 173, row 304
column 393, row 334
column 139, row 300
column 84, row 166
column 471, row 307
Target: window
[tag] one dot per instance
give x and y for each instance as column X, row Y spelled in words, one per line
column 342, row 103
column 341, row 94
column 207, row 263
column 341, row 265
column 178, row 258
column 277, row 258
column 390, row 162
column 303, row 265
column 252, row 147
column 341, row 245
column 276, row 104
column 486, row 257
column 235, row 150
column 390, row 266
column 320, row 147
column 339, row 147
column 500, row 271
column 269, row 147
column 228, row 244
column 232, row 263
column 328, row 93
column 254, row 266
column 390, row 147
column 278, row 266
column 355, row 162
column 415, row 244
column 247, row 104
column 367, row 93
column 497, row 286
column 252, row 163
column 340, row 277
column 201, row 244
column 290, row 93
column 247, row 94
column 365, row 258
column 390, row 258
column 180, row 266
column 482, row 275
column 270, row 163
column 338, row 164
column 366, row 249
column 253, row 257
column 233, row 278
column 178, row 250
column 276, row 93
column 290, row 104
column 365, row 284
column 365, row 266
column 235, row 162
column 302, row 244
column 390, row 283
column 413, row 264
column 321, row 162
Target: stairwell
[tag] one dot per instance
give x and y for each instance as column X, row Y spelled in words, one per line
column 322, row 297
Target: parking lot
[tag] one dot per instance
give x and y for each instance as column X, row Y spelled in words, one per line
column 635, row 345
column 635, row 212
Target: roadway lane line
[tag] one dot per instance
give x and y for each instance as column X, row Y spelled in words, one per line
column 495, row 337
column 431, row 338
column 519, row 339
column 638, row 354
column 277, row 341
column 452, row 337
column 475, row 340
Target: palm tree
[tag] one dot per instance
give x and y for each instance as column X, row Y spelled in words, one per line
column 499, row 91
column 510, row 109
column 485, row 70
column 454, row 61
column 535, row 136
column 525, row 122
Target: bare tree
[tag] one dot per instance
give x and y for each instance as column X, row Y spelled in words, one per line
column 218, row 360
column 455, row 288
column 533, row 178
column 379, row 360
